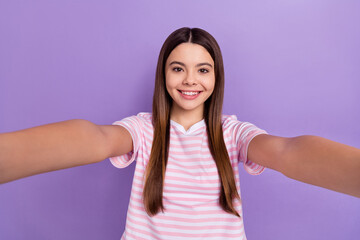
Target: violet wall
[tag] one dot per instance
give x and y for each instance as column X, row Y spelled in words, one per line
column 292, row 68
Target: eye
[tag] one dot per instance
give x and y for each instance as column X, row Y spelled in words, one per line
column 177, row 69
column 203, row 70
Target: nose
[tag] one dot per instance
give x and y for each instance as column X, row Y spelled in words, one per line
column 190, row 79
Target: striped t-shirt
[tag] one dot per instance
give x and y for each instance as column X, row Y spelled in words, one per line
column 191, row 187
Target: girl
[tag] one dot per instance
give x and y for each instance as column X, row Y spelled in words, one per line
column 186, row 183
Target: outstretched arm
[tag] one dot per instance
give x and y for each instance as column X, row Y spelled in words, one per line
column 59, row 145
column 310, row 159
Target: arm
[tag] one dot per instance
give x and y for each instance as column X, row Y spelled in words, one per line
column 310, row 159
column 59, row 145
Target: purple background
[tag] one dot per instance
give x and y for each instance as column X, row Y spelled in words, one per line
column 292, row 68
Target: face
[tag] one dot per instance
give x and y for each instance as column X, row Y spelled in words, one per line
column 190, row 77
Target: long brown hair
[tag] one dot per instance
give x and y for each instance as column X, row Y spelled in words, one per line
column 162, row 102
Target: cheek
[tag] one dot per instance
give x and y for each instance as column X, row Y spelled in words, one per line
column 167, row 81
column 169, row 87
column 209, row 84
column 171, row 82
column 212, row 85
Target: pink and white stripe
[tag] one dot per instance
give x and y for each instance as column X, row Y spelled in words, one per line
column 192, row 187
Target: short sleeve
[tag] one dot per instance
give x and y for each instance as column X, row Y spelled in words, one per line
column 134, row 126
column 243, row 133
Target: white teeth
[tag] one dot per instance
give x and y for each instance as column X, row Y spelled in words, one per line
column 190, row 93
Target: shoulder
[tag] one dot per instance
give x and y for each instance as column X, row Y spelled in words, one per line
column 138, row 121
column 144, row 116
column 229, row 121
column 227, row 118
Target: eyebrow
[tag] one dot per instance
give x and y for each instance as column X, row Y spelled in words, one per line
column 197, row 65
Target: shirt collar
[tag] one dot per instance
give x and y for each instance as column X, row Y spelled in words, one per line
column 192, row 129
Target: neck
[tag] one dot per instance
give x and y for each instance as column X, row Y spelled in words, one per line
column 186, row 118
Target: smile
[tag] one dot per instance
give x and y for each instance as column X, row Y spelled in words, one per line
column 189, row 94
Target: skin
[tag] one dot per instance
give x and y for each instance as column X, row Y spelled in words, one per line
column 310, row 159
column 189, row 67
column 59, row 145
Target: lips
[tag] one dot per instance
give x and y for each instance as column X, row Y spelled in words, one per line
column 189, row 95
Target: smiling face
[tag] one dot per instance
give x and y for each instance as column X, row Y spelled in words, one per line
column 190, row 78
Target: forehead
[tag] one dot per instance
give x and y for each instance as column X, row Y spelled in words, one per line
column 190, row 53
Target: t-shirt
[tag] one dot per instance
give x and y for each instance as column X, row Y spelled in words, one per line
column 191, row 186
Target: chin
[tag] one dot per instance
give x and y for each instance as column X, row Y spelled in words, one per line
column 189, row 108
